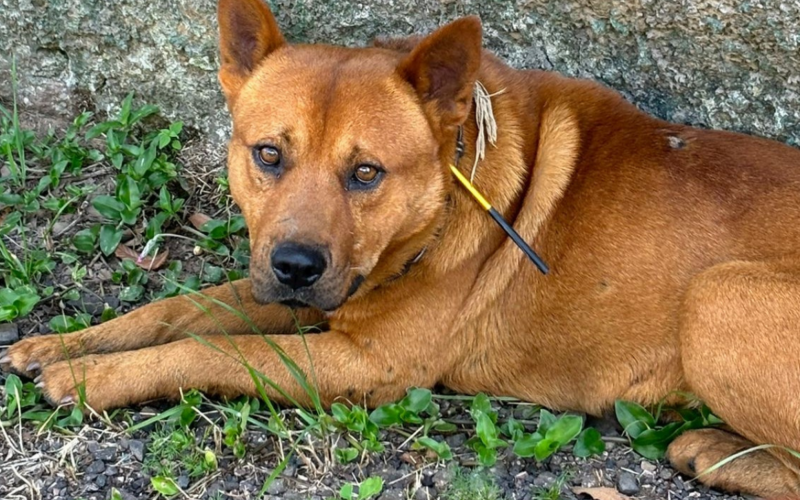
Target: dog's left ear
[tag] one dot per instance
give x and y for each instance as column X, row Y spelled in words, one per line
column 248, row 33
column 443, row 68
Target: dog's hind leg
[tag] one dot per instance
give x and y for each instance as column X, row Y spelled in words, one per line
column 159, row 323
column 740, row 349
column 758, row 471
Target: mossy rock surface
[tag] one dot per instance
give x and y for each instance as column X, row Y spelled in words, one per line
column 729, row 64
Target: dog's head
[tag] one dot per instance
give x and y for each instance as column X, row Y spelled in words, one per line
column 336, row 156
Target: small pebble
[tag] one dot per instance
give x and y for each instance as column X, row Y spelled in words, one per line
column 648, row 466
column 96, row 467
column 393, row 494
column 9, row 333
column 276, row 487
column 456, row 440
column 545, row 480
column 182, row 481
column 425, row 493
column 627, row 483
column 137, row 449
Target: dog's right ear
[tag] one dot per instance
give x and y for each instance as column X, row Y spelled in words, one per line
column 443, row 67
column 248, row 33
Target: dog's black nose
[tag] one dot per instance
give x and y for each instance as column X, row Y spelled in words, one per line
column 297, row 265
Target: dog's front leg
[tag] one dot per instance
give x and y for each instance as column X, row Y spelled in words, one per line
column 339, row 365
column 161, row 322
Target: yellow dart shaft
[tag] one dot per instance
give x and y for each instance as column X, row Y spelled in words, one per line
column 467, row 184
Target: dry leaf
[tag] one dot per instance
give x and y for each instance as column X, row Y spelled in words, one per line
column 601, row 493
column 149, row 263
column 198, row 219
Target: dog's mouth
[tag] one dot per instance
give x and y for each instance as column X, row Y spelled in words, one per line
column 294, row 303
column 267, row 291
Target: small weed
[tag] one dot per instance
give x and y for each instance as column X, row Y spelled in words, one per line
column 648, row 437
column 24, row 402
column 173, row 450
column 553, row 492
column 478, row 485
column 552, row 434
column 368, row 488
column 133, row 278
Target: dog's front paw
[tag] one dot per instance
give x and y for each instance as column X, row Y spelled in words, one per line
column 27, row 357
column 82, row 381
column 99, row 382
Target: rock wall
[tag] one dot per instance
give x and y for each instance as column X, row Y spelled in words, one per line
column 730, row 64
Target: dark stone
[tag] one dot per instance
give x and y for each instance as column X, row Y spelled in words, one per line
column 627, row 483
column 137, row 449
column 9, row 333
column 96, row 467
column 545, row 480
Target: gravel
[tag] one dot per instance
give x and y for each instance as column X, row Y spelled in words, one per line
column 99, row 457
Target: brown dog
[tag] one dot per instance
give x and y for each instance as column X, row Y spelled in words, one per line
column 675, row 252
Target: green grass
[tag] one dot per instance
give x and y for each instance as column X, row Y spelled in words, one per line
column 554, row 491
column 174, row 450
column 478, row 485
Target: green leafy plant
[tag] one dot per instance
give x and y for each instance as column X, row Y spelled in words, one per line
column 368, row 488
column 133, row 277
column 23, row 401
column 67, row 324
column 648, row 437
column 172, row 281
column 217, row 232
column 17, row 302
column 487, row 438
column 355, row 420
column 552, row 434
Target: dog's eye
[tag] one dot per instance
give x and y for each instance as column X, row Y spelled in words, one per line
column 268, row 156
column 365, row 176
column 366, row 173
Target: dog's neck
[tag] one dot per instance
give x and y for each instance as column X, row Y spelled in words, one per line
column 502, row 176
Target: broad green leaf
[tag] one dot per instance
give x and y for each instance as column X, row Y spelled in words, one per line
column 84, row 240
column 565, row 429
column 416, row 400
column 110, row 238
column 512, row 429
column 664, row 434
column 633, row 418
column 164, row 485
column 346, row 455
column 108, row 314
column 346, row 493
column 481, row 402
column 654, row 451
column 442, row 449
column 589, row 443
column 215, row 229
column 525, row 445
column 386, row 415
column 546, row 419
column 131, row 293
column 486, row 456
column 108, row 206
column 545, row 448
column 485, row 428
column 370, row 487
column 340, row 412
